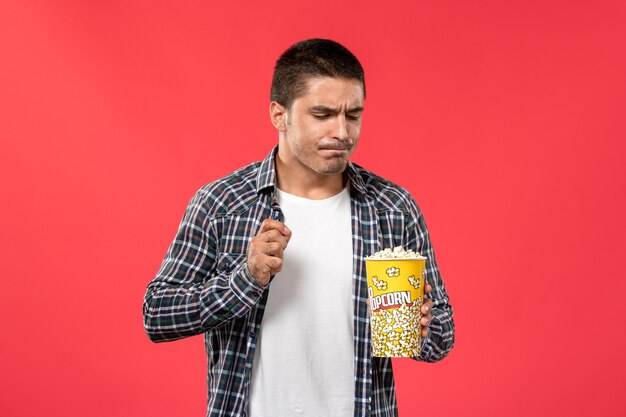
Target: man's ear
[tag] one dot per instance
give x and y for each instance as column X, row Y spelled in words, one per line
column 278, row 116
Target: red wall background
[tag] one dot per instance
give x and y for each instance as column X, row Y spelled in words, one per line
column 506, row 120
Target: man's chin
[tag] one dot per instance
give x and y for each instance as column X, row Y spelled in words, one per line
column 333, row 168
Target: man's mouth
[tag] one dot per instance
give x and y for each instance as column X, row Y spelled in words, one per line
column 334, row 151
column 336, row 147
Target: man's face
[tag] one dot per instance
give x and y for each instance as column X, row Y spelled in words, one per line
column 323, row 126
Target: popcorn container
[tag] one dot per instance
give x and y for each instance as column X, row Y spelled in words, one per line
column 395, row 289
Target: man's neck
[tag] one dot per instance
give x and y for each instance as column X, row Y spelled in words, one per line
column 307, row 184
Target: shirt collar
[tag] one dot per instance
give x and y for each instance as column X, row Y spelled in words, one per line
column 266, row 177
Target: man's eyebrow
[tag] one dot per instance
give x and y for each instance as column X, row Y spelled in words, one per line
column 325, row 109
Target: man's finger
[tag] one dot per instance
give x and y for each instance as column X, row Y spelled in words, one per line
column 274, row 263
column 427, row 306
column 274, row 249
column 271, row 224
column 273, row 236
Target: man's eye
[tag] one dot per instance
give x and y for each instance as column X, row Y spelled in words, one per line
column 321, row 116
column 353, row 117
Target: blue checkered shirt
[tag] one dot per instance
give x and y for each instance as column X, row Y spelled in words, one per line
column 204, row 285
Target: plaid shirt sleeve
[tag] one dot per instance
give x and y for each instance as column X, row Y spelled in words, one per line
column 194, row 291
column 440, row 339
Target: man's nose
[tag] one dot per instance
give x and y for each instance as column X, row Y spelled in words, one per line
column 341, row 128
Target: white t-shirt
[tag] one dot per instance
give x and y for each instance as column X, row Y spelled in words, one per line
column 304, row 359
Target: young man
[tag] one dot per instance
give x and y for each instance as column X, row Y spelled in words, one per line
column 268, row 262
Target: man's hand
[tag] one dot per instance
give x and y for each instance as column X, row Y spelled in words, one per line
column 265, row 253
column 427, row 306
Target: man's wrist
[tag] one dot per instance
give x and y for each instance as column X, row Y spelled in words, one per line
column 245, row 286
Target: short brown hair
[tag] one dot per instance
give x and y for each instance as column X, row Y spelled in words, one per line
column 312, row 58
